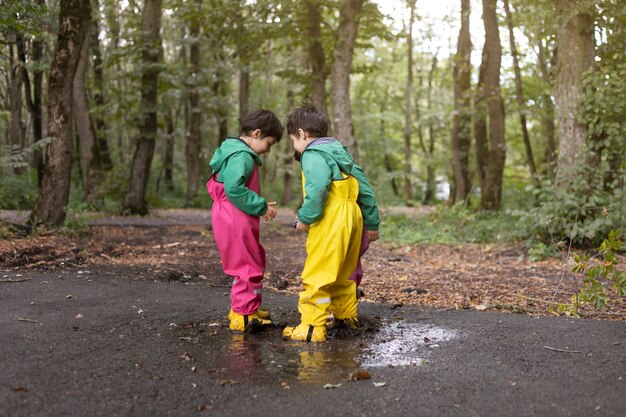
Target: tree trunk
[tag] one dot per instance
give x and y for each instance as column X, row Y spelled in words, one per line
column 38, row 159
column 316, row 55
column 135, row 201
column 288, row 160
column 386, row 147
column 340, row 74
column 431, row 181
column 194, row 139
column 519, row 91
column 33, row 96
column 101, row 130
column 244, row 90
column 461, row 130
column 220, row 112
column 74, row 16
column 168, row 154
column 408, row 109
column 90, row 156
column 547, row 114
column 15, row 98
column 576, row 55
column 489, row 125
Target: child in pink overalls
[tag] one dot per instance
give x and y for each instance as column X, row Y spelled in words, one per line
column 237, row 205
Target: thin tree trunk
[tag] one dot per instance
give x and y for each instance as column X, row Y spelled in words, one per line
column 386, row 148
column 244, row 90
column 521, row 103
column 135, row 201
column 194, row 139
column 340, row 74
column 489, row 125
column 38, row 156
column 547, row 114
column 111, row 14
column 101, row 126
column 33, row 96
column 218, row 88
column 74, row 18
column 408, row 109
column 431, row 181
column 288, row 160
column 168, row 154
column 85, row 129
column 15, row 98
column 461, row 130
column 576, row 55
column 316, row 55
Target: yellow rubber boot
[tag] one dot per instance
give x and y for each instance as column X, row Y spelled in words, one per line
column 247, row 323
column 305, row 333
column 263, row 313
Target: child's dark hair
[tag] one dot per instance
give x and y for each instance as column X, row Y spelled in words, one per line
column 309, row 119
column 264, row 120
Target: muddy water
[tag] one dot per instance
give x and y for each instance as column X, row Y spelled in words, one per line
column 264, row 356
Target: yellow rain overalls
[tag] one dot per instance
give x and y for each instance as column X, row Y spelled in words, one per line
column 332, row 253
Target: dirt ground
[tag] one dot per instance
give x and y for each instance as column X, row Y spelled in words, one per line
column 177, row 245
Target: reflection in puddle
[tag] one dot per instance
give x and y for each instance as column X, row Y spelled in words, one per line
column 265, row 356
column 403, row 344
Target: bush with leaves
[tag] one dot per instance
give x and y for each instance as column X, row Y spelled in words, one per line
column 598, row 276
column 581, row 215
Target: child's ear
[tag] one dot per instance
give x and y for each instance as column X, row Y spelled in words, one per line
column 256, row 134
column 301, row 134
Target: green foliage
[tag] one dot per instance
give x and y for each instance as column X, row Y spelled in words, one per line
column 598, row 276
column 20, row 16
column 17, row 192
column 580, row 215
column 18, row 158
column 539, row 251
column 452, row 225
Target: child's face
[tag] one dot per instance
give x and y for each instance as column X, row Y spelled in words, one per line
column 258, row 143
column 299, row 141
column 262, row 145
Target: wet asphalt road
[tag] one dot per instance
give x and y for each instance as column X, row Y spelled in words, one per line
column 76, row 343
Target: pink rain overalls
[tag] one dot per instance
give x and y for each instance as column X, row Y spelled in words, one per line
column 237, row 237
column 358, row 272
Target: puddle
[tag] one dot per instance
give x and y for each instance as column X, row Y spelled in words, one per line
column 404, row 344
column 264, row 356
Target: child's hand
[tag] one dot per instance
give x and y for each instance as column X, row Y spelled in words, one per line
column 373, row 235
column 301, row 227
column 271, row 211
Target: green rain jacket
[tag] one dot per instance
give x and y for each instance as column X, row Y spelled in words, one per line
column 324, row 163
column 234, row 162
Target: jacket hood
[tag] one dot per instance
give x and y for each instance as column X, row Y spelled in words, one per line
column 228, row 148
column 338, row 152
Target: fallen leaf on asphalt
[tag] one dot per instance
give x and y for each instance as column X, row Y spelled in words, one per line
column 27, row 320
column 329, row 386
column 20, row 389
column 185, row 356
column 380, row 384
column 79, row 316
column 68, row 296
column 359, row 375
column 228, row 382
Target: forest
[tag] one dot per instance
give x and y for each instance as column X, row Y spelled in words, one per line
column 506, row 111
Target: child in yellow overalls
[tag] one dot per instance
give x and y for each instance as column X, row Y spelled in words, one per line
column 338, row 203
